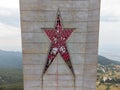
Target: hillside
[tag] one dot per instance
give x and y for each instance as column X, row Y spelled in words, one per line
column 9, row 59
column 108, row 74
column 105, row 61
column 10, row 70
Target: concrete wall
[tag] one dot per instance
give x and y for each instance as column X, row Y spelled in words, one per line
column 82, row 44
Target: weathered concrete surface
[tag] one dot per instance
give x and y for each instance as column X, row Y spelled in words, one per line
column 83, row 43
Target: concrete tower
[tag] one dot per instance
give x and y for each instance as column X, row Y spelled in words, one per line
column 60, row 44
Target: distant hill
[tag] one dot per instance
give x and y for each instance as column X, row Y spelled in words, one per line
column 9, row 59
column 105, row 61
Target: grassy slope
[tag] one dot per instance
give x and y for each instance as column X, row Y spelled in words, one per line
column 11, row 79
column 17, row 85
column 11, row 70
column 10, row 75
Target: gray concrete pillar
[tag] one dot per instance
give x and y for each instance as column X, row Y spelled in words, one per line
column 82, row 44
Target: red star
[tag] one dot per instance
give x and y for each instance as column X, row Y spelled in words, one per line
column 58, row 37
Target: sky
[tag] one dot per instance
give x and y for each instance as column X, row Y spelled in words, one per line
column 109, row 37
column 10, row 34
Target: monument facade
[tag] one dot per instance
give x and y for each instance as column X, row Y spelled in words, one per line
column 60, row 44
